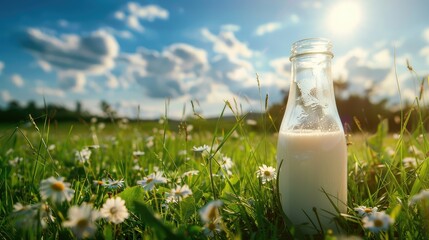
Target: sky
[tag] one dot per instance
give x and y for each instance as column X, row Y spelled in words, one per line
column 143, row 57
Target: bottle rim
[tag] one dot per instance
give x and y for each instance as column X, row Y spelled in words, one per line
column 311, row 46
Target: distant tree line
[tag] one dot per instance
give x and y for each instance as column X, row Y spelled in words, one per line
column 15, row 112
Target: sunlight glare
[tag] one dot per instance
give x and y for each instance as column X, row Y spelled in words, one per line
column 344, row 17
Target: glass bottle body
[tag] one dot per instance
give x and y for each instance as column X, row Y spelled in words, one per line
column 311, row 150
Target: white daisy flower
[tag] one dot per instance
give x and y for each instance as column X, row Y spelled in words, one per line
column 148, row 183
column 365, row 211
column 226, row 163
column 82, row 220
column 376, row 222
column 182, row 152
column 201, row 149
column 138, row 153
column 190, row 173
column 14, row 162
column 422, row 196
column 56, row 189
column 51, row 147
column 211, row 217
column 266, row 173
column 251, row 122
column 113, row 184
column 101, row 126
column 83, row 155
column 178, row 194
column 410, row 162
column 415, row 151
column 29, row 216
column 114, row 210
column 211, row 211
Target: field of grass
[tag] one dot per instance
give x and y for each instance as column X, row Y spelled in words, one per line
column 190, row 181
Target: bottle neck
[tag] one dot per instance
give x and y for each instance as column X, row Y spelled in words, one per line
column 311, row 102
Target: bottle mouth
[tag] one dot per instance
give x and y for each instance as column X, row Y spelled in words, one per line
column 311, row 46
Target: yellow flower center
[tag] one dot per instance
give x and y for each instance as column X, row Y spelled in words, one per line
column 149, row 180
column 212, row 213
column 82, row 223
column 378, row 223
column 367, row 210
column 113, row 210
column 267, row 173
column 58, row 186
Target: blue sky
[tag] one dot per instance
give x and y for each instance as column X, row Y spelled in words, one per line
column 137, row 54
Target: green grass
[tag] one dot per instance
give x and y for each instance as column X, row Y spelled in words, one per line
column 250, row 209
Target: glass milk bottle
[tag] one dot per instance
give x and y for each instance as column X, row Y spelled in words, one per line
column 312, row 150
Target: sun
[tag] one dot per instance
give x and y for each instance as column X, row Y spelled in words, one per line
column 344, row 17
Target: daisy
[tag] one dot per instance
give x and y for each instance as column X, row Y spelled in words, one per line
column 14, row 162
column 190, row 173
column 226, row 163
column 83, row 155
column 364, row 211
column 148, row 183
column 211, row 211
column 178, row 194
column 251, row 122
column 56, row 189
column 25, row 216
column 82, row 220
column 376, row 222
column 410, row 162
column 138, row 153
column 422, row 196
column 114, row 210
column 113, row 184
column 211, row 217
column 266, row 173
column 200, row 149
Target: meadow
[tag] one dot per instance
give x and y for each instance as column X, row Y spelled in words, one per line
column 196, row 179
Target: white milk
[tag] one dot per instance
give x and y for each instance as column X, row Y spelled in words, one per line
column 312, row 161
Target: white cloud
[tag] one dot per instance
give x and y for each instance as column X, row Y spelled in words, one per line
column 112, row 81
column 294, row 18
column 424, row 52
column 125, row 34
column 17, row 80
column 230, row 28
column 170, row 73
column 5, row 95
column 119, row 15
column 382, row 59
column 133, row 13
column 92, row 53
column 227, row 44
column 47, row 91
column 281, row 66
column 149, row 12
column 134, row 23
column 1, row 66
column 73, row 57
column 426, row 34
column 44, row 65
column 71, row 80
column 268, row 28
